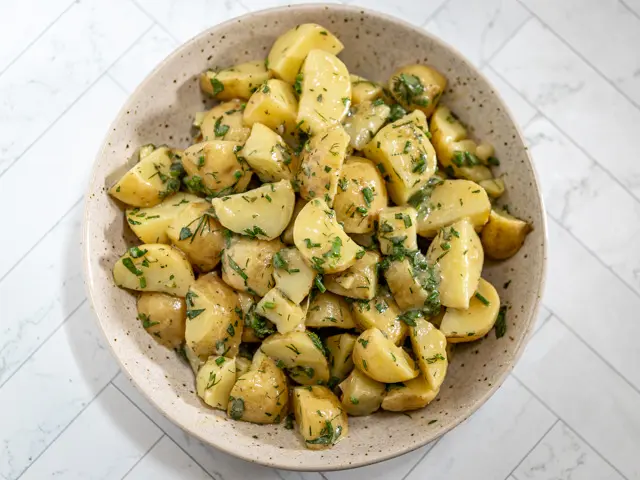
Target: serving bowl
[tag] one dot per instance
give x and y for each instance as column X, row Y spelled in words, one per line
column 160, row 111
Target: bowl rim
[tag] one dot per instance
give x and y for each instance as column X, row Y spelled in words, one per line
column 381, row 457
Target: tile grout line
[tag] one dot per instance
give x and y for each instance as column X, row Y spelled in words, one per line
column 534, row 446
column 631, row 10
column 415, row 465
column 434, row 14
column 485, row 63
column 162, row 435
column 118, row 84
column 155, row 21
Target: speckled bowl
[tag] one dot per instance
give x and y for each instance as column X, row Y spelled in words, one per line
column 160, row 111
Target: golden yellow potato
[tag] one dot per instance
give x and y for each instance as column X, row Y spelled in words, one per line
column 269, row 156
column 329, row 310
column 430, row 347
column 224, row 122
column 361, row 395
column 321, row 420
column 503, row 235
column 340, row 350
column 286, row 315
column 363, row 90
column 243, row 365
column 417, row 87
column 377, row 357
column 248, row 305
column 414, row 283
column 247, row 264
column 358, row 281
column 214, row 381
column 274, row 105
column 293, row 276
column 238, row 81
column 195, row 362
column 361, row 195
column 397, row 228
column 494, row 187
column 364, row 120
column 382, row 313
column 163, row 316
column 287, row 235
column 412, row 395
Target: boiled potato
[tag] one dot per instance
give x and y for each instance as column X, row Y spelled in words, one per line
column 361, row 195
column 150, row 224
column 301, row 353
column 358, row 281
column 404, row 155
column 467, row 325
column 287, row 235
column 417, row 87
column 247, row 264
column 325, row 92
column 366, row 240
column 361, row 395
column 224, row 122
column 459, row 255
column 269, row 156
column 213, row 325
column 163, row 316
column 321, row 240
column 414, row 283
column 291, row 48
column 274, row 105
column 248, row 305
column 195, row 362
column 243, row 365
column 154, row 267
column 364, row 120
column 329, row 310
column 262, row 213
column 260, row 395
column 320, row 165
column 430, row 347
column 292, row 275
column 321, row 420
column 149, row 182
column 411, row 395
column 238, row 81
column 214, row 381
column 340, row 349
column 377, row 356
column 363, row 90
column 198, row 234
column 494, row 187
column 286, row 315
column 504, row 235
column 214, row 168
column 397, row 228
column 382, row 313
column 451, row 201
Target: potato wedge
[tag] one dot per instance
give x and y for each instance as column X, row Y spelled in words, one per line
column 413, row 281
column 430, row 347
column 269, row 156
column 292, row 275
column 243, row 365
column 382, row 313
column 154, row 267
column 494, row 187
column 359, row 280
column 287, row 235
column 411, row 395
column 238, row 81
column 321, row 420
column 340, row 350
column 274, row 105
column 417, row 87
column 224, row 122
column 397, row 228
column 195, row 362
column 504, row 235
column 364, row 120
column 248, row 305
column 329, row 310
column 301, row 353
column 361, row 395
column 163, row 316
column 363, row 90
column 286, row 315
column 377, row 357
column 474, row 322
column 214, row 381
column 247, row 264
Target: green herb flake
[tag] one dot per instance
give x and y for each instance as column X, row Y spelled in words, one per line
column 217, row 86
column 483, row 299
column 236, row 409
column 220, row 361
column 501, row 322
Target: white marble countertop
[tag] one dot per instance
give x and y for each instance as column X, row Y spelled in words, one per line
column 569, row 69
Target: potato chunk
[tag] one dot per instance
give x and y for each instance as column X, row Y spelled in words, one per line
column 361, row 395
column 359, row 280
column 287, row 235
column 247, row 264
column 504, row 235
column 417, row 87
column 163, row 316
column 363, row 90
column 269, row 156
column 414, row 394
column 397, row 228
column 238, row 81
column 340, row 350
column 285, row 314
column 321, row 420
column 224, row 122
column 329, row 310
column 382, row 313
column 292, row 274
column 214, row 381
column 377, row 356
column 430, row 347
column 414, row 283
column 363, row 122
column 274, row 105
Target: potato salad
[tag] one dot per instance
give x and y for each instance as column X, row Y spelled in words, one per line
column 318, row 249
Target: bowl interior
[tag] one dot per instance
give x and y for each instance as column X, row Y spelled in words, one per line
column 161, row 110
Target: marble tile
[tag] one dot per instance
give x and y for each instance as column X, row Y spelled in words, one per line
column 105, row 441
column 254, row 5
column 585, row 392
column 633, row 5
column 614, row 54
column 52, row 388
column 522, row 111
column 216, row 463
column 57, row 166
column 289, row 475
column 38, row 88
column 478, row 29
column 577, row 191
column 413, row 12
column 511, row 422
column 143, row 57
column 562, row 86
column 562, row 455
column 28, row 319
column 541, row 319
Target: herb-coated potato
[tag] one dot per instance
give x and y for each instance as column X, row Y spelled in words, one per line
column 459, row 255
column 503, row 235
column 340, row 349
column 154, row 267
column 430, row 347
column 321, row 240
column 470, row 324
column 274, row 105
column 224, row 122
column 269, row 156
column 163, row 316
column 329, row 310
column 148, row 182
column 366, row 240
column 195, row 362
column 320, row 165
column 361, row 395
column 243, row 365
column 325, row 92
column 382, row 313
column 214, row 168
column 363, row 90
column 262, row 213
column 361, row 195
column 260, row 395
column 247, row 305
column 238, row 81
column 359, row 280
column 198, row 234
column 417, row 87
column 285, row 315
column 150, row 224
column 287, row 235
column 214, row 314
column 451, row 201
column 301, row 353
column 414, row 394
column 413, row 283
column 397, row 226
column 493, row 186
column 247, row 264
column 364, row 120
column 214, row 381
column 404, row 155
column 321, row 420
column 293, row 276
column 377, row 356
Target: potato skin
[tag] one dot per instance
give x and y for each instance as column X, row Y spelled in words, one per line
column 237, row 81
column 329, row 310
column 378, row 358
column 163, row 316
column 321, row 420
column 358, row 281
column 364, row 121
column 504, row 235
column 429, row 345
column 382, row 313
column 361, row 395
column 215, row 380
column 415, row 394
